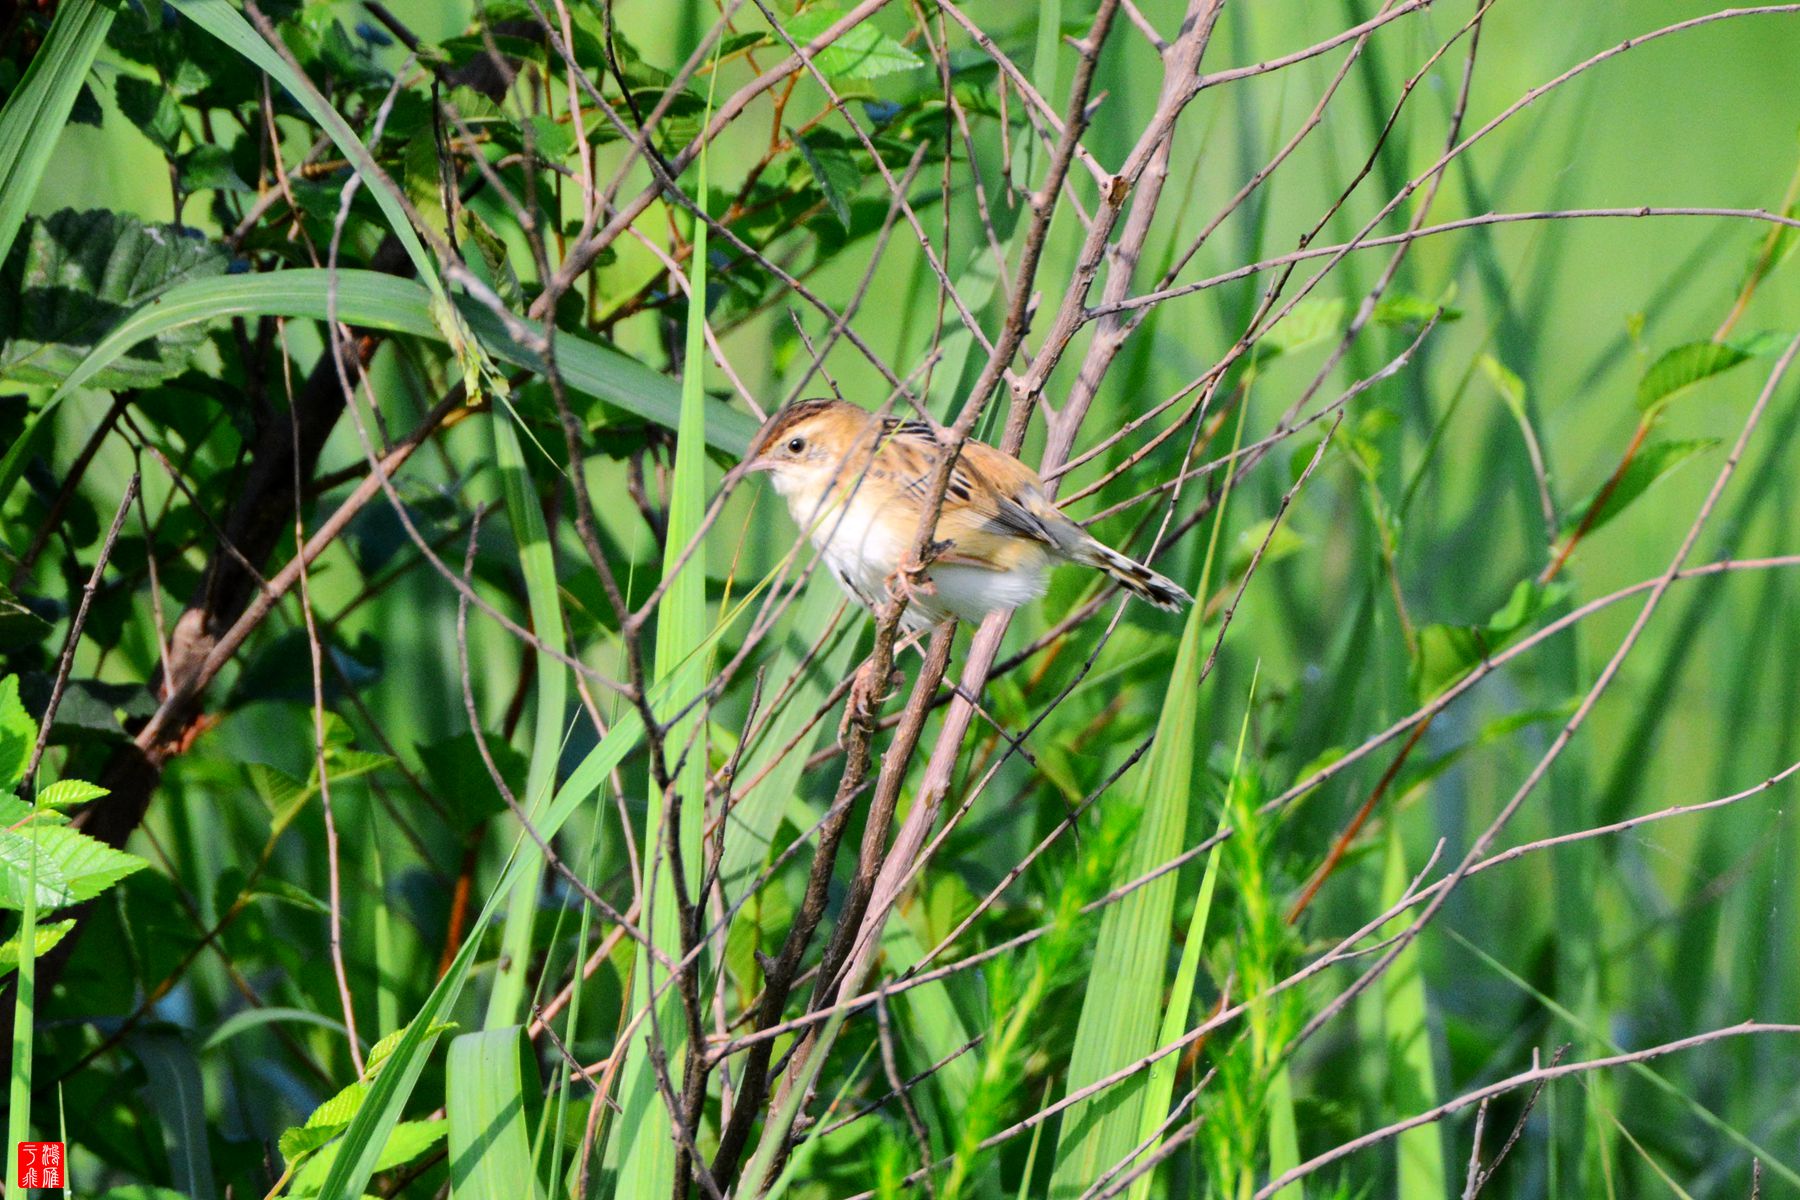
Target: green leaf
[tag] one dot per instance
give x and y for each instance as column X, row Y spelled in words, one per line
column 356, row 1158
column 78, row 275
column 19, row 625
column 402, row 306
column 208, row 167
column 65, row 792
column 1507, row 383
column 834, row 170
column 18, row 735
column 537, row 566
column 1448, row 652
column 485, row 1094
column 1312, row 320
column 645, row 1159
column 289, row 893
column 1684, row 366
column 863, row 52
column 1398, row 308
column 72, row 867
column 47, row 937
column 148, row 105
column 1411, row 1074
column 461, row 779
column 408, row 1141
column 1653, row 461
column 34, row 115
column 1160, row 1086
column 1122, row 1009
column 174, row 1079
column 553, row 140
column 255, row 1018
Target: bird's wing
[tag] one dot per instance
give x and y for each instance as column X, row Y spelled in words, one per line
column 995, row 513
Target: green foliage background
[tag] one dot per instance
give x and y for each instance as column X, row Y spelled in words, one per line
column 194, row 1036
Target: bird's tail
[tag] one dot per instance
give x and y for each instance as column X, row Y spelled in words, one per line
column 1133, row 576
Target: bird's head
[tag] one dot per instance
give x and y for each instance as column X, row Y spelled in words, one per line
column 806, row 446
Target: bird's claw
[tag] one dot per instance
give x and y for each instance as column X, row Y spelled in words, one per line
column 911, row 579
column 867, row 695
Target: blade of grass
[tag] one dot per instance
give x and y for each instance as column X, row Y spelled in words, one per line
column 1160, row 1088
column 647, row 1162
column 751, row 825
column 490, row 1152
column 368, row 1132
column 538, row 566
column 1119, row 1013
column 35, row 113
column 378, row 301
column 179, row 1100
column 1119, row 1009
column 1412, row 1081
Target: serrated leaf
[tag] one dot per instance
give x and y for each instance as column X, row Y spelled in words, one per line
column 18, row 734
column 72, row 867
column 75, row 275
column 47, row 937
column 551, row 139
column 1653, row 461
column 1684, row 366
column 65, row 792
column 863, row 52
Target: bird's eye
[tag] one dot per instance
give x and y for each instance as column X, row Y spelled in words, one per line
column 796, row 445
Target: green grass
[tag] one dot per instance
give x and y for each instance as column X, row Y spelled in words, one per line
column 189, row 1030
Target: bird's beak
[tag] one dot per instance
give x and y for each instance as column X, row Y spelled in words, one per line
column 743, row 471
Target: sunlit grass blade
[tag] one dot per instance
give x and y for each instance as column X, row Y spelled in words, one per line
column 1412, row 1077
column 32, row 121
column 378, row 301
column 644, row 1141
column 751, row 825
column 1160, row 1088
column 1121, row 1012
column 363, row 1141
column 490, row 1148
column 538, row 566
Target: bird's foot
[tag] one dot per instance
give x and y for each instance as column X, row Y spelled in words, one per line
column 911, row 578
column 867, row 694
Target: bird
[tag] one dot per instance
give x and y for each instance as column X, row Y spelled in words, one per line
column 856, row 481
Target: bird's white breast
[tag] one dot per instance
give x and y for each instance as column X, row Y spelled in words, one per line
column 861, row 543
